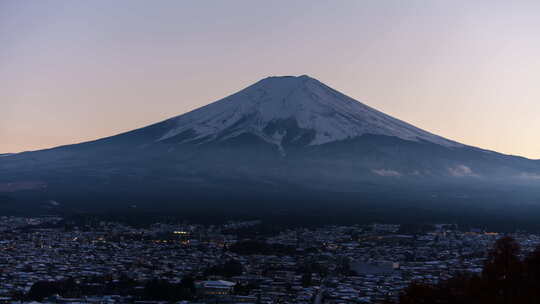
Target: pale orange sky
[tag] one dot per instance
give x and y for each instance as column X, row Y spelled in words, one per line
column 72, row 71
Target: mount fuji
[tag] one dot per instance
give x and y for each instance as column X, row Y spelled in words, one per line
column 283, row 142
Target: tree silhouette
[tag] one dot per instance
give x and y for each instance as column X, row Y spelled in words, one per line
column 307, row 279
column 531, row 276
column 505, row 279
column 43, row 289
column 230, row 268
column 503, row 270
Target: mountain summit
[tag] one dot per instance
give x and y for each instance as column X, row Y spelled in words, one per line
column 291, row 110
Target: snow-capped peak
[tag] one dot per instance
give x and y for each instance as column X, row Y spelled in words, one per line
column 274, row 105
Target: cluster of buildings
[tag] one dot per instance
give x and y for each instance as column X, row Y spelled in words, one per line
column 331, row 264
column 9, row 223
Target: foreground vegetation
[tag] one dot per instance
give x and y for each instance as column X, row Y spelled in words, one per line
column 507, row 277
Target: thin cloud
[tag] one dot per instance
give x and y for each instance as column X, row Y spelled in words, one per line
column 529, row 176
column 461, row 171
column 386, row 172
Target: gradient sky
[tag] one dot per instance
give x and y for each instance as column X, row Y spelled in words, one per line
column 72, row 71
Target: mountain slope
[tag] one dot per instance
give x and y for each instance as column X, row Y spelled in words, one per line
column 280, row 139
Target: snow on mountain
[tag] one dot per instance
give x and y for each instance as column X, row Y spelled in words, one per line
column 314, row 107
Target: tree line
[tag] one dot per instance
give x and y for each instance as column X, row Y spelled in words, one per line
column 506, row 278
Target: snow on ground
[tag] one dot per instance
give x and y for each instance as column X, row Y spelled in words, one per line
column 332, row 115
